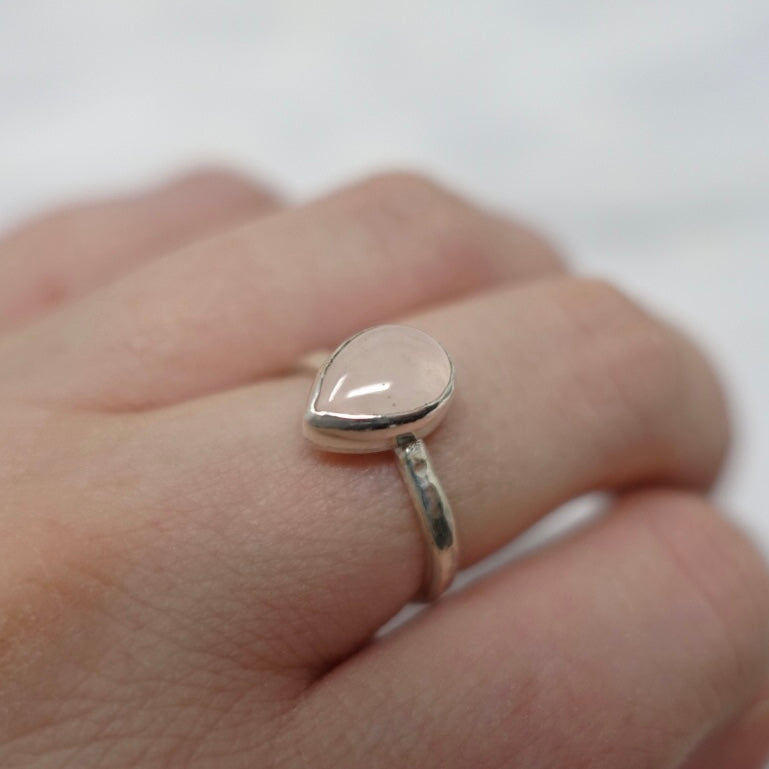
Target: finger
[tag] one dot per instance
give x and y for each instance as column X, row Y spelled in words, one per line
column 563, row 386
column 64, row 254
column 622, row 647
column 247, row 304
column 742, row 744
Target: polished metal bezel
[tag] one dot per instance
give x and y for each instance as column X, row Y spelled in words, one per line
column 369, row 433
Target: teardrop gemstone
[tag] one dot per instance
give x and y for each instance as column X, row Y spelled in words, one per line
column 384, row 371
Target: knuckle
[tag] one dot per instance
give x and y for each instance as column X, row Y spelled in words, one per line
column 390, row 202
column 213, row 175
column 222, row 182
column 408, row 188
column 400, row 210
column 604, row 300
column 649, row 371
column 662, row 396
column 72, row 224
column 540, row 249
column 634, row 363
column 721, row 587
column 404, row 206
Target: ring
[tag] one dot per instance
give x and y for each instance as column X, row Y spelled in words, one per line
column 383, row 389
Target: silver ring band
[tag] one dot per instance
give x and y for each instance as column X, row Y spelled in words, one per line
column 434, row 515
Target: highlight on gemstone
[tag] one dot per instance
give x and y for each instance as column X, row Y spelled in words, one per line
column 384, row 371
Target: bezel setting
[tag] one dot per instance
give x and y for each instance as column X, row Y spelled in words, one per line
column 368, row 433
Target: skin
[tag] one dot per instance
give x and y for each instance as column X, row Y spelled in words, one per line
column 185, row 583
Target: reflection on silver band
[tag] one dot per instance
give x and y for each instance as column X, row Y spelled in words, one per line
column 434, row 514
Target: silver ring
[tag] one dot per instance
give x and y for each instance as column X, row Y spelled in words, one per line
column 383, row 389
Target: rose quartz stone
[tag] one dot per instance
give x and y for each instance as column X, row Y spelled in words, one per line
column 384, row 371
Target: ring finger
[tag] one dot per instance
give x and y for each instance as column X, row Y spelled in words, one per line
column 564, row 386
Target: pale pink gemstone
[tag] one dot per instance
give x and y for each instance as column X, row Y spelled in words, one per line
column 384, row 371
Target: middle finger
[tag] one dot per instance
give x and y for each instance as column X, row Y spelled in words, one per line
column 246, row 304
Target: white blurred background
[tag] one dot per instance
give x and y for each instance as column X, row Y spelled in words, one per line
column 636, row 133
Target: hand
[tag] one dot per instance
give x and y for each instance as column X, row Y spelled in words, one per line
column 185, row 582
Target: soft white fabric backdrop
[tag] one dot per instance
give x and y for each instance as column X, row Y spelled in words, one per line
column 636, row 133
